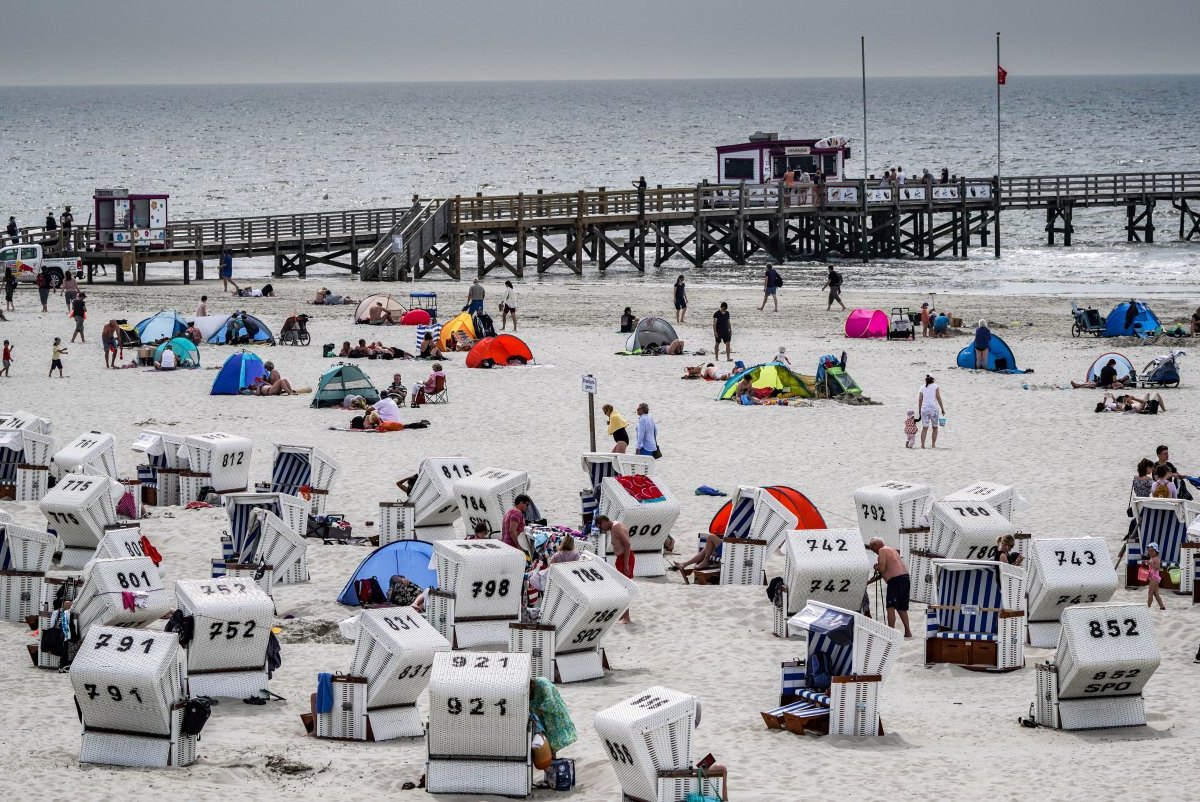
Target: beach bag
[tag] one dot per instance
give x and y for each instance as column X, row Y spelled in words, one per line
column 52, row 641
column 1160, row 490
column 561, row 774
column 700, row 796
column 195, row 715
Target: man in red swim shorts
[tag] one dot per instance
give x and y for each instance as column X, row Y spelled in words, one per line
column 618, row 534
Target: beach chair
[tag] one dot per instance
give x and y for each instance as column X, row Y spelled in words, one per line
column 1189, row 558
column 160, row 473
column 54, row 590
column 432, row 329
column 648, row 738
column 131, row 690
column 649, row 509
column 755, row 513
column 826, row 566
column 479, row 734
column 889, row 510
column 480, row 592
column 377, row 699
column 227, row 655
column 1061, row 572
column 216, row 460
column 24, row 559
column 977, row 617
column 581, row 601
column 600, row 466
column 1164, row 521
column 120, row 541
column 78, row 509
column 965, row 530
column 835, row 689
column 431, row 509
column 1106, row 655
column 268, row 528
column 301, row 470
column 486, row 495
column 102, row 598
column 25, row 446
column 1004, row 498
column 90, row 452
column 462, row 342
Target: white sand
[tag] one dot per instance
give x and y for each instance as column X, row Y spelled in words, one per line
column 952, row 734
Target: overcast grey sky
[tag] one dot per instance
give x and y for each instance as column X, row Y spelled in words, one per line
column 268, row 41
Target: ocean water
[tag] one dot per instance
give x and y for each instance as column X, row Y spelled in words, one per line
column 257, row 149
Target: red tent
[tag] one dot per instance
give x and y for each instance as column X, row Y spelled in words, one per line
column 797, row 503
column 504, row 349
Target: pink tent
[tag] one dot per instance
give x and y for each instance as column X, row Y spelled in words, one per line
column 867, row 323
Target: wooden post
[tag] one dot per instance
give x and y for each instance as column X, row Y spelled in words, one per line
column 579, row 233
column 478, row 236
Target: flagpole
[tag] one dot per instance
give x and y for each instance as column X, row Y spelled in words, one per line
column 862, row 45
column 998, row 68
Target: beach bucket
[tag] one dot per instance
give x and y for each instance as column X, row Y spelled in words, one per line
column 942, row 422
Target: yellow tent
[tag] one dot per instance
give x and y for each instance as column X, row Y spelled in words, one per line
column 461, row 322
column 775, row 376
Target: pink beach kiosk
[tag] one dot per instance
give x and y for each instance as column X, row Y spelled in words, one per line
column 122, row 217
column 766, row 157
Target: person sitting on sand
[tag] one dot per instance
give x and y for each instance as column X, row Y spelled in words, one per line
column 327, row 298
column 745, row 392
column 396, row 390
column 675, row 348
column 421, row 394
column 429, row 348
column 941, row 325
column 403, row 592
column 167, row 361
column 566, row 551
column 377, row 315
column 272, row 383
column 193, row 334
column 628, row 321
column 1107, row 380
column 345, row 352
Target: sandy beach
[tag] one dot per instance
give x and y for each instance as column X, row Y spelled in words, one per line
column 949, row 730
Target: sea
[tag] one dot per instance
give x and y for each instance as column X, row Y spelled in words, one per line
column 234, row 150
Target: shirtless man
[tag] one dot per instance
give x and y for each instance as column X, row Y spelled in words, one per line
column 891, row 569
column 378, row 315
column 110, row 339
column 618, row 534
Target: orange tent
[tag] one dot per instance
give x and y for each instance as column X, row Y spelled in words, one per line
column 796, row 502
column 504, row 349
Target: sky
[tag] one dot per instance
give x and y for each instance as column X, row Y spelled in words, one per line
column 72, row 42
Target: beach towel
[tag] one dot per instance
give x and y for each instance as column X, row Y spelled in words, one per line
column 547, row 704
column 324, row 693
column 641, row 488
column 705, row 490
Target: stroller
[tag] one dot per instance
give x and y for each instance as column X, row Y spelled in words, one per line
column 294, row 331
column 1086, row 320
column 1162, row 371
column 482, row 322
column 901, row 327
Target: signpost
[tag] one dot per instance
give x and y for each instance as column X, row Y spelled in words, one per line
column 589, row 387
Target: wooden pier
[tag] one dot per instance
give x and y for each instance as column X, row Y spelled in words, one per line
column 541, row 232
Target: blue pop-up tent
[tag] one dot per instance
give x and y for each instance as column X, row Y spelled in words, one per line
column 240, row 370
column 1000, row 357
column 244, row 326
column 1131, row 319
column 162, row 326
column 408, row 558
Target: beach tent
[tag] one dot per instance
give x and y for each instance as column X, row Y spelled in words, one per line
column 240, row 370
column 460, row 322
column 651, row 331
column 1130, row 319
column 209, row 325
column 832, row 378
column 407, row 558
column 1000, row 357
column 1124, row 366
column 129, row 335
column 263, row 335
column 362, row 313
column 793, row 500
column 867, row 323
column 774, row 375
column 340, row 381
column 187, row 355
column 504, row 349
column 160, row 327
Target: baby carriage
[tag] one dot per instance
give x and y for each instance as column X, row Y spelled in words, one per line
column 901, row 327
column 1162, row 371
column 295, row 331
column 1088, row 321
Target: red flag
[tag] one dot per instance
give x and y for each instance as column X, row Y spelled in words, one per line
column 1001, row 75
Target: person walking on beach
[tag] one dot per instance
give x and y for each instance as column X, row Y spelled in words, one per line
column 617, row 428
column 680, row 299
column 226, row 270
column 56, row 355
column 110, row 341
column 833, row 282
column 475, row 296
column 1153, row 577
column 6, row 358
column 70, row 288
column 43, row 288
column 647, row 432
column 771, row 284
column 202, row 307
column 618, row 538
column 79, row 312
column 929, row 401
column 508, row 306
column 10, row 287
column 722, row 332
column 891, row 569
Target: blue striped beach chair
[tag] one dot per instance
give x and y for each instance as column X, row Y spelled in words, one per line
column 977, row 618
column 1164, row 521
column 296, row 467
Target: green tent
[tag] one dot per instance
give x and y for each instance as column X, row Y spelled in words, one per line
column 774, row 375
column 187, row 355
column 340, row 381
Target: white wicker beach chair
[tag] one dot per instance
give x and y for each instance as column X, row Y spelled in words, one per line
column 227, row 655
column 161, row 472
column 648, row 738
column 1004, row 498
column 600, row 466
column 24, row 559
column 1106, row 654
column 649, row 524
column 828, row 566
column 479, row 736
column 480, row 592
column 102, row 598
column 78, row 509
column 25, row 459
column 119, row 541
column 1189, row 559
column 581, row 601
column 487, row 495
column 92, row 450
column 889, row 509
column 756, row 514
column 1061, row 572
column 217, row 460
column 977, row 618
column 262, row 574
column 960, row 530
column 1164, row 521
column 131, row 688
column 433, row 497
column 269, row 528
column 296, row 467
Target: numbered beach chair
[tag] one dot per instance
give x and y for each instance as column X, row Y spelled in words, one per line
column 227, row 655
column 581, row 602
column 25, row 446
column 487, row 495
column 478, row 738
column 90, row 452
column 24, row 559
column 480, row 592
column 127, row 592
column 835, row 689
column 267, row 529
column 1164, row 521
column 164, row 465
column 977, row 618
column 432, row 506
column 297, row 470
column 1004, row 498
column 1106, row 654
column 216, row 460
column 961, row 530
column 827, row 566
column 131, row 689
column 602, row 465
column 126, row 540
column 649, row 509
column 377, row 699
column 1061, row 572
column 891, row 510
column 78, row 509
column 648, row 738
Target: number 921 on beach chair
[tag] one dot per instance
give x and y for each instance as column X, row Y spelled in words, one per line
column 581, row 602
column 377, row 699
column 479, row 733
column 78, row 509
column 648, row 738
column 297, row 468
column 227, row 655
column 830, row 566
column 960, row 530
column 486, row 495
column 649, row 509
column 977, row 617
column 1106, row 655
column 131, row 688
column 889, row 508
column 1061, row 572
column 479, row 593
column 835, row 689
column 1164, row 521
column 125, row 592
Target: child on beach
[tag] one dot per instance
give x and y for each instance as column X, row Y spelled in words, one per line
column 56, row 354
column 910, row 429
column 7, row 358
column 1162, row 487
column 1153, row 577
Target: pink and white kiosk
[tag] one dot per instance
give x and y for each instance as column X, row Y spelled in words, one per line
column 121, row 218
